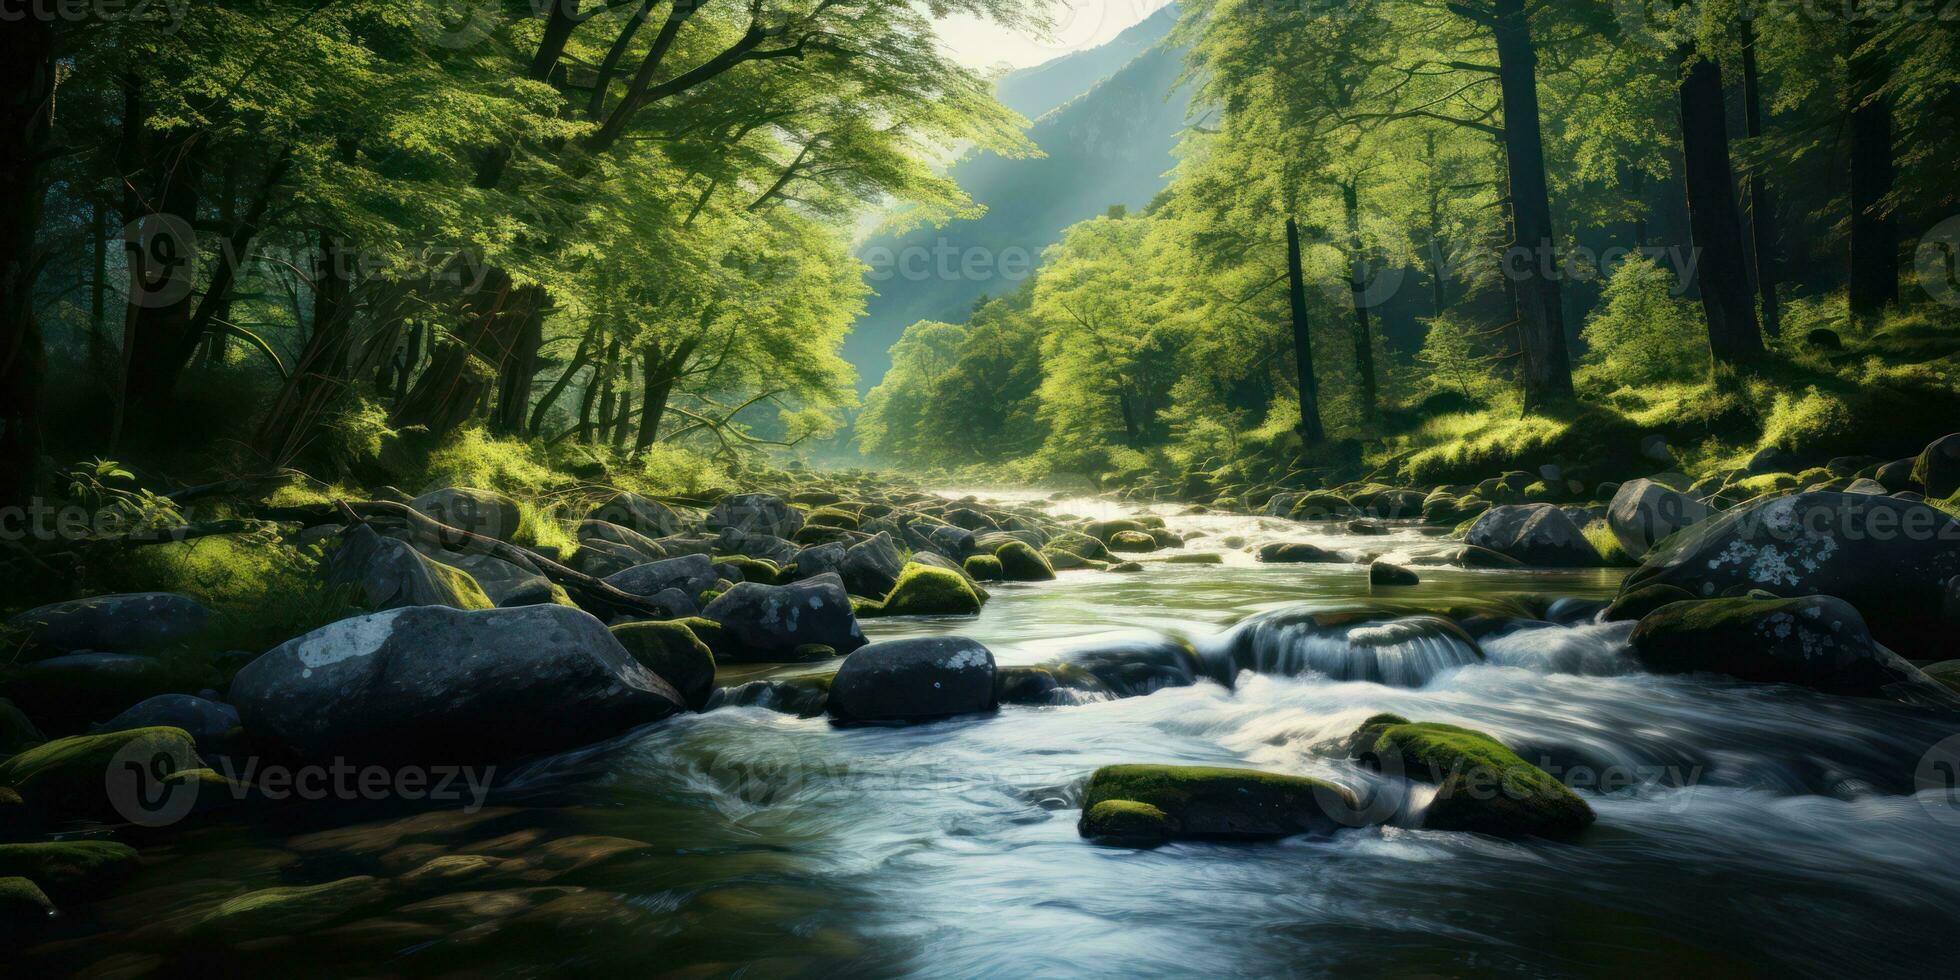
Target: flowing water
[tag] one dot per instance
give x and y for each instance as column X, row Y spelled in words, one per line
column 1740, row 828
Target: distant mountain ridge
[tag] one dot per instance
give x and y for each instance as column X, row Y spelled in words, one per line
column 1107, row 144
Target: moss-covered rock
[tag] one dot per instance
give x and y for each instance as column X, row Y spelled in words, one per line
column 289, row 910
column 1199, row 558
column 1383, row 573
column 983, row 568
column 17, row 731
column 1208, row 802
column 1132, row 542
column 1062, row 561
column 69, row 870
column 832, row 517
column 926, row 590
column 1128, row 823
column 1321, row 505
column 1297, row 553
column 1481, row 786
column 66, row 778
column 1816, row 641
column 1631, row 606
column 1124, row 567
column 23, row 907
column 1087, row 546
column 671, row 650
column 1020, row 562
column 752, row 569
column 1106, row 531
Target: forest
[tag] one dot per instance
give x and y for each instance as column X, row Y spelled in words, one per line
column 979, row 487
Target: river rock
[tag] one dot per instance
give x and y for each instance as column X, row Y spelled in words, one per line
column 1937, row 470
column 68, row 778
column 132, row 622
column 767, row 623
column 1377, row 647
column 390, row 574
column 1889, row 558
column 871, row 567
column 1204, row 802
column 1643, row 512
column 442, row 685
column 1383, row 573
column 590, row 530
column 1020, row 562
column 914, row 680
column 1481, row 786
column 1298, row 553
column 1536, row 534
column 1815, row 641
column 649, row 518
column 483, row 512
column 817, row 560
column 1896, row 476
column 755, row 513
column 1136, row 667
column 692, row 574
column 209, row 723
column 506, row 583
column 672, row 651
column 600, row 558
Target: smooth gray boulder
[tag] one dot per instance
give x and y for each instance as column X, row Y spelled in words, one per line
column 914, row 680
column 435, row 684
column 814, row 561
column 1535, row 534
column 483, row 512
column 635, row 513
column 130, row 622
column 387, row 573
column 1815, row 641
column 692, row 574
column 1937, row 470
column 755, row 513
column 506, row 583
column 767, row 623
column 870, row 568
column 592, row 529
column 1889, row 558
column 755, row 545
column 1643, row 512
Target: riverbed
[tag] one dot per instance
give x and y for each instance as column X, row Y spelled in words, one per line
column 1741, row 828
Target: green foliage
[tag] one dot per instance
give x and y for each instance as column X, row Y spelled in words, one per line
column 1457, row 360
column 1643, row 332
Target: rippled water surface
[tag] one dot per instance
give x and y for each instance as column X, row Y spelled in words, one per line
column 1741, row 828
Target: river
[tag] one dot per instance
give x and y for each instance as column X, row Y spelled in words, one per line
column 1741, row 828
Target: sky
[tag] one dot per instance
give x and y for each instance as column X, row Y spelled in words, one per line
column 1079, row 24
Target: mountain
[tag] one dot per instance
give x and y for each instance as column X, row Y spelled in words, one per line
column 1034, row 92
column 1104, row 146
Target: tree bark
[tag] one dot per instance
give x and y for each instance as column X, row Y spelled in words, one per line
column 1762, row 203
column 1364, row 344
column 160, row 313
column 662, row 371
column 583, row 356
column 1547, row 365
column 26, row 94
column 1713, row 219
column 1311, row 432
column 519, row 371
column 1874, row 262
column 464, row 369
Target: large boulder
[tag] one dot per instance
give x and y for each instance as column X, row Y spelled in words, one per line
column 1815, row 641
column 692, row 574
column 817, row 560
column 1937, row 470
column 767, row 623
column 1298, row 553
column 871, row 567
column 1535, row 534
column 671, row 650
column 443, row 685
column 767, row 546
column 74, row 778
column 1020, row 562
column 1643, row 512
column 133, row 622
column 1481, row 786
column 914, row 680
column 484, row 512
column 633, row 512
column 207, row 722
column 590, row 530
column 1203, row 802
column 1889, row 558
column 755, row 513
column 390, row 574
column 600, row 558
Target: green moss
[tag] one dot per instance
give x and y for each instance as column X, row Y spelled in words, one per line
column 1482, row 786
column 753, row 569
column 672, row 651
column 22, row 904
column 69, row 870
column 983, row 568
column 1105, row 530
column 463, row 585
column 832, row 517
column 65, row 777
column 1133, row 542
column 1127, row 823
column 1197, row 559
column 1205, row 801
column 1608, row 544
column 927, row 590
column 289, row 910
column 1083, row 545
column 1020, row 562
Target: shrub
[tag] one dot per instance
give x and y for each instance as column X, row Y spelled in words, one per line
column 1642, row 331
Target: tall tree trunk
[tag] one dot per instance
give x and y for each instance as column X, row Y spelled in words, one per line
column 622, row 422
column 1311, row 432
column 1364, row 344
column 607, row 372
column 26, row 99
column 580, row 358
column 663, row 370
column 1874, row 273
column 1762, row 204
column 1547, row 365
column 463, row 369
column 1713, row 219
column 165, row 262
column 520, row 370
